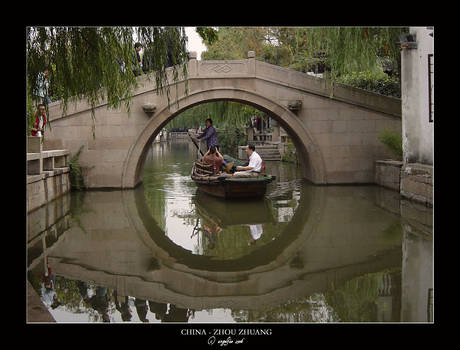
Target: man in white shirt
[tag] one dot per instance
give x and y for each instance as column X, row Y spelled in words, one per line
column 255, row 164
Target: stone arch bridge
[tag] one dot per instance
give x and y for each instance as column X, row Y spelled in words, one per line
column 335, row 134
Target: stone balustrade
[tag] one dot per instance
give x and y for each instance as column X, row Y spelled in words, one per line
column 39, row 160
column 47, row 173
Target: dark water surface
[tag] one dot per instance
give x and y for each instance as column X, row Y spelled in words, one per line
column 164, row 252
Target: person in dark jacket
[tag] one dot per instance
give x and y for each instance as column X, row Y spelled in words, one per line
column 137, row 60
column 209, row 134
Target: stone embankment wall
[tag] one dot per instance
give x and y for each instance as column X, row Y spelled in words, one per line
column 388, row 173
column 417, row 182
column 48, row 174
column 413, row 180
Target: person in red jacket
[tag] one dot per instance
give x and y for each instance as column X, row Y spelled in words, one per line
column 40, row 121
column 212, row 156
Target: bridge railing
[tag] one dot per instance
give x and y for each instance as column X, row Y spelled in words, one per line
column 39, row 161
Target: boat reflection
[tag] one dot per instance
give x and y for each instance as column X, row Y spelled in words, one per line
column 236, row 212
column 242, row 220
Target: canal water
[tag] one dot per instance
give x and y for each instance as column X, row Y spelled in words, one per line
column 165, row 252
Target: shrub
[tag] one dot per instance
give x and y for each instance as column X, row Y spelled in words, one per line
column 30, row 114
column 229, row 140
column 76, row 175
column 393, row 141
column 290, row 155
column 376, row 82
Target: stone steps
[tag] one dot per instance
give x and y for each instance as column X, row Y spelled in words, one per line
column 266, row 152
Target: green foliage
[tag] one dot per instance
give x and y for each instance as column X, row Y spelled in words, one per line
column 373, row 81
column 233, row 43
column 223, row 114
column 281, row 48
column 393, row 141
column 229, row 140
column 229, row 118
column 290, row 155
column 164, row 47
column 350, row 49
column 208, row 34
column 76, row 174
column 337, row 50
column 30, row 114
column 68, row 294
column 356, row 300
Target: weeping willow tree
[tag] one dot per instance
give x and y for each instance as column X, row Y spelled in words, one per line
column 342, row 49
column 224, row 114
column 350, row 49
column 99, row 63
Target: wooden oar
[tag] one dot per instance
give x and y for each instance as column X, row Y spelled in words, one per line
column 194, row 142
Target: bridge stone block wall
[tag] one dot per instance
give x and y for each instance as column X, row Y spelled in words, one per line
column 336, row 135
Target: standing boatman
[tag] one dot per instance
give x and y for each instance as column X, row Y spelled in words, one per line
column 209, row 134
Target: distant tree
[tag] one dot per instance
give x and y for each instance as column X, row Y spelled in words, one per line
column 233, row 43
column 339, row 51
column 208, row 34
column 350, row 49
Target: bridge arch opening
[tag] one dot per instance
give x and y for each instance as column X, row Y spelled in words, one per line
column 309, row 155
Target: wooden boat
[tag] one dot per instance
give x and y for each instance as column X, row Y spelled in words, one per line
column 225, row 186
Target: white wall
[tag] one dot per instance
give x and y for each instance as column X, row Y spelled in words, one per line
column 417, row 131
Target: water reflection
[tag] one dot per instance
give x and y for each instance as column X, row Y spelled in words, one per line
column 48, row 292
column 177, row 207
column 225, row 225
column 84, row 301
column 222, row 226
column 219, row 229
column 371, row 297
column 321, row 254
